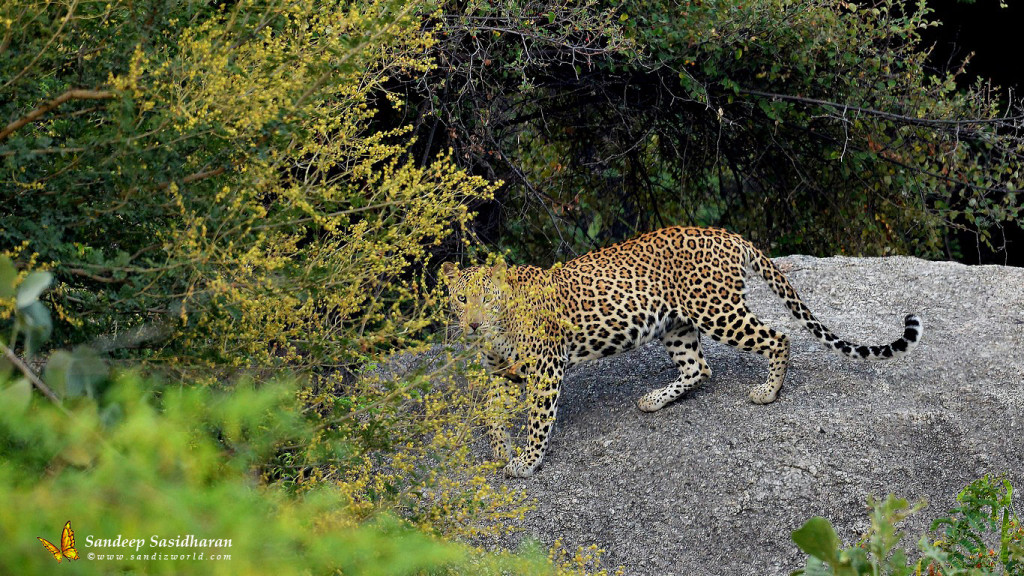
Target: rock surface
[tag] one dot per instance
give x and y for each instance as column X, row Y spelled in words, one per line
column 714, row 485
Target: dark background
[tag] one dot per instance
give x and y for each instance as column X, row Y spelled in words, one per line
column 995, row 37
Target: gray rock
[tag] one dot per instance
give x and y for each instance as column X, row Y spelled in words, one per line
column 714, row 485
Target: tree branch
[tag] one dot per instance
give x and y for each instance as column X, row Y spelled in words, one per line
column 24, row 369
column 197, row 176
column 103, row 279
column 931, row 122
column 75, row 94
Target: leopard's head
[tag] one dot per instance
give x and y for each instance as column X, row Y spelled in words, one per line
column 475, row 295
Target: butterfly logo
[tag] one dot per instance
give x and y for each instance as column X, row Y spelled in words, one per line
column 67, row 544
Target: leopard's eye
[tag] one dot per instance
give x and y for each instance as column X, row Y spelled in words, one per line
column 461, row 299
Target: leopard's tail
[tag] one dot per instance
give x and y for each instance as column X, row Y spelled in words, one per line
column 912, row 330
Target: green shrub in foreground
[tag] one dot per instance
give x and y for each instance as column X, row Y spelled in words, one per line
column 981, row 536
column 187, row 467
column 129, row 459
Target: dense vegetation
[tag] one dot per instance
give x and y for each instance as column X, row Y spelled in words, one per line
column 818, row 127
column 981, row 536
column 221, row 222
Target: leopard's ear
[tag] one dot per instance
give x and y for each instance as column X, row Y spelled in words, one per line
column 450, row 271
column 498, row 271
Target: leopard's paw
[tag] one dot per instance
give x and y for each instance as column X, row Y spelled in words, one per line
column 520, row 467
column 652, row 401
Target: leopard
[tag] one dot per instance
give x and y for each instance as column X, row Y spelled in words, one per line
column 675, row 285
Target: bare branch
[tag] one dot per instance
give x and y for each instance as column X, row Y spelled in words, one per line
column 32, row 377
column 197, row 176
column 75, row 94
column 930, row 122
column 86, row 274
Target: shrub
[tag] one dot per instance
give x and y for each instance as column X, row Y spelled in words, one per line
column 983, row 531
column 982, row 536
column 376, row 481
column 213, row 184
column 792, row 122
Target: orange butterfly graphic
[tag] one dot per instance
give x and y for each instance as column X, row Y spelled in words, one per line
column 67, row 544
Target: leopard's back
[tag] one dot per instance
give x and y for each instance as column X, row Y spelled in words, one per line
column 631, row 293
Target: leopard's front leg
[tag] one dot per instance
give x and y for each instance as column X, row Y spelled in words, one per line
column 497, row 405
column 544, row 385
column 501, row 441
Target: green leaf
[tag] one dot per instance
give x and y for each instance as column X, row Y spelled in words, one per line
column 595, row 226
column 6, row 368
column 818, row 539
column 814, row 567
column 77, row 373
column 16, row 397
column 55, row 374
column 112, row 414
column 898, row 563
column 37, row 324
column 33, row 285
column 8, row 275
column 88, row 370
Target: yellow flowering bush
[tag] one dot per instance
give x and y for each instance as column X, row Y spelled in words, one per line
column 222, row 197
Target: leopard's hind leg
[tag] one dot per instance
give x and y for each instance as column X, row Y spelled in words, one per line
column 736, row 326
column 682, row 341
